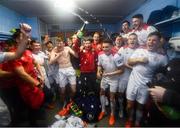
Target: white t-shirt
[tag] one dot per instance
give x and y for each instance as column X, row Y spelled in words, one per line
column 121, row 58
column 107, row 63
column 2, row 55
column 143, row 34
column 40, row 57
column 143, row 73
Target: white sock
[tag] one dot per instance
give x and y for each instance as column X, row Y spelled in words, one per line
column 103, row 102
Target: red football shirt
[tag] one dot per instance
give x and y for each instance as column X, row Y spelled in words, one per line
column 33, row 98
column 97, row 47
column 88, row 60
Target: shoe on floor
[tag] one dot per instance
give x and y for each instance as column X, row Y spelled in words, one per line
column 128, row 124
column 101, row 115
column 111, row 120
column 63, row 112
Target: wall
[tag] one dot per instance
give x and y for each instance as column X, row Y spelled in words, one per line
column 150, row 6
column 10, row 19
column 34, row 23
column 110, row 28
column 43, row 28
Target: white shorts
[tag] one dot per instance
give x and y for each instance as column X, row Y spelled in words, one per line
column 139, row 93
column 53, row 78
column 112, row 83
column 67, row 75
column 122, row 85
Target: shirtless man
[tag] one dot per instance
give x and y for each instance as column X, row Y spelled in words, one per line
column 66, row 74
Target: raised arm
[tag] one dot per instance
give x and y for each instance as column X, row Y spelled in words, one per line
column 21, row 47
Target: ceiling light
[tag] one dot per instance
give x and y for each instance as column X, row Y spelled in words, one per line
column 66, row 5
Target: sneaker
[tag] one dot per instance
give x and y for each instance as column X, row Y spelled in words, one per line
column 63, row 112
column 111, row 120
column 101, row 115
column 128, row 124
column 68, row 106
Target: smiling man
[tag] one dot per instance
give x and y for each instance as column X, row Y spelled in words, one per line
column 144, row 62
column 141, row 29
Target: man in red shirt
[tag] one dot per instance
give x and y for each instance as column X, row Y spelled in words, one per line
column 97, row 45
column 25, row 78
column 25, row 75
column 88, row 59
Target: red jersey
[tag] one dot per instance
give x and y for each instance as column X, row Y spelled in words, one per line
column 97, row 47
column 27, row 62
column 33, row 98
column 88, row 61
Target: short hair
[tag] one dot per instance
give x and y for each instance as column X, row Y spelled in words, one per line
column 58, row 39
column 49, row 42
column 118, row 36
column 89, row 38
column 156, row 33
column 139, row 16
column 97, row 33
column 108, row 41
column 32, row 42
column 126, row 21
column 133, row 34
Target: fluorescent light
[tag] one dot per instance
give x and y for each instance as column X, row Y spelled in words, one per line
column 66, row 5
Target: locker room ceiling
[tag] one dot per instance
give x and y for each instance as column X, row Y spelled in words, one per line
column 106, row 11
